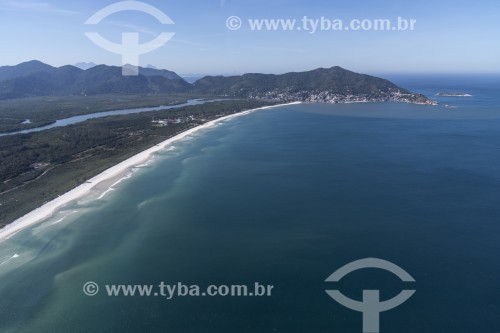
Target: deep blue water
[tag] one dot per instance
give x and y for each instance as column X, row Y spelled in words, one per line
column 282, row 197
column 485, row 89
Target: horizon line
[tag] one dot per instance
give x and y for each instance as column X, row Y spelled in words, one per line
column 368, row 72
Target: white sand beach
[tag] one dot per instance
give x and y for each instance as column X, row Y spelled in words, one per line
column 48, row 209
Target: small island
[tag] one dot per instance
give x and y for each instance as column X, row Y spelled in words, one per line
column 447, row 94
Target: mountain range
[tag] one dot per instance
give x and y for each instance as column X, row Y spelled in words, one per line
column 331, row 85
column 85, row 65
column 326, row 85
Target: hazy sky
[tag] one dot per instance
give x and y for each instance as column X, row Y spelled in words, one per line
column 449, row 36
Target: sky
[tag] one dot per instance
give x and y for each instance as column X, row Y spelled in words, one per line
column 449, row 36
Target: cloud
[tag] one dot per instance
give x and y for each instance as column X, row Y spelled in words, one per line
column 39, row 7
column 133, row 28
column 196, row 45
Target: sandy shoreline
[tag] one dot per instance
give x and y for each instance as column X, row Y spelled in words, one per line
column 48, row 209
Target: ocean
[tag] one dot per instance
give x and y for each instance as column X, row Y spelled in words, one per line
column 284, row 197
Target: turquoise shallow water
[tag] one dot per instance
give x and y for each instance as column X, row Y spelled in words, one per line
column 281, row 197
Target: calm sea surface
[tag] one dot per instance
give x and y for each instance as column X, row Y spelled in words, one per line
column 283, row 197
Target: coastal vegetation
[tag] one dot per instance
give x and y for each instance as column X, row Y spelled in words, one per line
column 44, row 110
column 327, row 85
column 37, row 167
column 324, row 85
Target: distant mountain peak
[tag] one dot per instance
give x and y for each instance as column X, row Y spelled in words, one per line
column 33, row 62
column 23, row 69
column 325, row 85
column 35, row 78
column 85, row 65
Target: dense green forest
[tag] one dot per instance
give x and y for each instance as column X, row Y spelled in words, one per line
column 47, row 109
column 37, row 167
